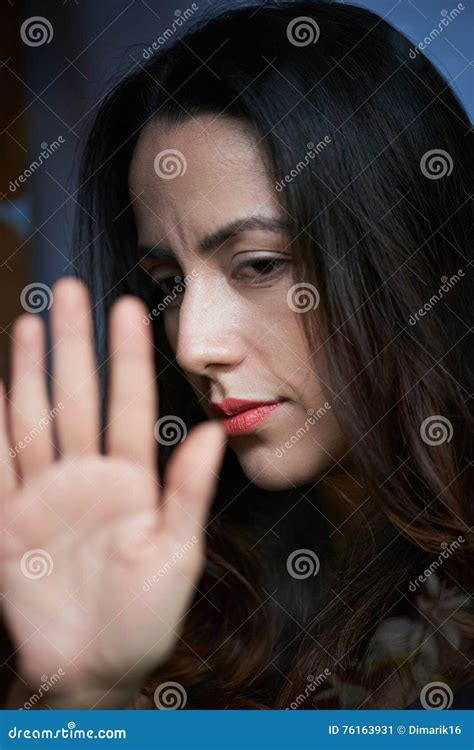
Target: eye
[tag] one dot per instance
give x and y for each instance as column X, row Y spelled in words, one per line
column 262, row 267
column 169, row 285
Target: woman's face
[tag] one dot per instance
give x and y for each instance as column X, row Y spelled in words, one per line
column 233, row 330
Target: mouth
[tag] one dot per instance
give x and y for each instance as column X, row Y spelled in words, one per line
column 241, row 417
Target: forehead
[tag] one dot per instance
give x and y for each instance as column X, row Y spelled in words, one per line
column 196, row 175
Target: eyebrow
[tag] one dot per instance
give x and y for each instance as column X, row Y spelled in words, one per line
column 210, row 241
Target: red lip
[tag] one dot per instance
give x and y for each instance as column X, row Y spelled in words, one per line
column 241, row 417
column 232, row 406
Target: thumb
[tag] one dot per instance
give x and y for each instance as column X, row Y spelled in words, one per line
column 191, row 479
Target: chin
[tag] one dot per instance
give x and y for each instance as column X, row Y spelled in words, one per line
column 269, row 471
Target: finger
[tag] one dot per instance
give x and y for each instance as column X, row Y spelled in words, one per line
column 30, row 413
column 8, row 479
column 74, row 372
column 191, row 480
column 133, row 385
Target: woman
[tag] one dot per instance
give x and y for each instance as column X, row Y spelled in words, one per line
column 288, row 192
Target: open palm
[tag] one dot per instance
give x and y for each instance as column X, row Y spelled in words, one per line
column 98, row 562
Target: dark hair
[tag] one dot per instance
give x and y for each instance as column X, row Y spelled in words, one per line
column 379, row 223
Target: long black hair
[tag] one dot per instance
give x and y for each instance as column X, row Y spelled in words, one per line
column 370, row 151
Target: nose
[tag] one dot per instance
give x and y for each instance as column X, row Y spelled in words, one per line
column 209, row 336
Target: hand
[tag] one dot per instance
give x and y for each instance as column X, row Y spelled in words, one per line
column 97, row 563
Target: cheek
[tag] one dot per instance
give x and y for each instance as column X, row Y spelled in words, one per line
column 282, row 322
column 281, row 342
